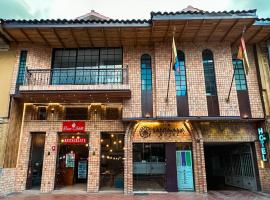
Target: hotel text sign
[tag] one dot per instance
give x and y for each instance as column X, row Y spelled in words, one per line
column 262, row 139
column 73, row 126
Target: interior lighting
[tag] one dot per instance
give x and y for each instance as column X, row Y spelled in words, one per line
column 107, row 145
column 101, row 140
column 120, row 141
column 114, row 142
column 110, row 150
column 112, row 135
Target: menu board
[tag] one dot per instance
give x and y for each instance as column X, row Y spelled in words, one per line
column 184, row 170
column 70, row 160
column 82, row 169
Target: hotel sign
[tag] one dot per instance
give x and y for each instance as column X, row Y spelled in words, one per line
column 263, row 138
column 73, row 127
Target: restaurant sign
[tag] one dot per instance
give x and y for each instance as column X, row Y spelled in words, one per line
column 73, row 126
column 263, row 138
column 74, row 140
column 161, row 131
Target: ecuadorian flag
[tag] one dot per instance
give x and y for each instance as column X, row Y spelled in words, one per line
column 175, row 62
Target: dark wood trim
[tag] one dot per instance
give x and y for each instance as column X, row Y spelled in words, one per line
column 58, row 38
column 90, row 37
column 105, row 37
column 259, row 77
column 213, row 105
column 74, row 38
column 26, row 35
column 120, row 36
column 182, row 106
column 167, row 31
column 171, row 171
column 214, row 30
column 244, row 104
column 9, row 35
column 229, row 30
column 182, row 31
column 254, row 35
column 198, row 30
column 43, row 37
column 265, row 38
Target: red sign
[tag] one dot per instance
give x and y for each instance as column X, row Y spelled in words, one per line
column 74, row 140
column 74, row 126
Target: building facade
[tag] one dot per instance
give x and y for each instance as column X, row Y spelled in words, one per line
column 97, row 106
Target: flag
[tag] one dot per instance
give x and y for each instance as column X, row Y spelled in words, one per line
column 175, row 62
column 242, row 54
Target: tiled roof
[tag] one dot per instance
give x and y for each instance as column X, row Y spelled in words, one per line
column 253, row 11
column 75, row 21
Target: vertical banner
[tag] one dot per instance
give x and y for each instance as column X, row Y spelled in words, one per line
column 184, row 170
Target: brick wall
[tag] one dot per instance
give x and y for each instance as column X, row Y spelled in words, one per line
column 52, row 127
column 40, row 57
column 7, row 181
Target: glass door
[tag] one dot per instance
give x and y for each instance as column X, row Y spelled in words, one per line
column 149, row 166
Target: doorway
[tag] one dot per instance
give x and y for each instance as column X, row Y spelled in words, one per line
column 112, row 161
column 35, row 164
column 230, row 166
column 149, row 168
column 72, row 162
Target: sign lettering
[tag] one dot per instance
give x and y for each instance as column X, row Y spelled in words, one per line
column 73, row 126
column 262, row 139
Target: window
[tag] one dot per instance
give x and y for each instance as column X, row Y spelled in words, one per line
column 87, row 66
column 76, row 113
column 146, row 73
column 180, row 76
column 146, row 86
column 209, row 73
column 113, row 113
column 239, row 75
column 22, row 66
column 42, row 113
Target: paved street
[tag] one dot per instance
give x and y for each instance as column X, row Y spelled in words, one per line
column 217, row 195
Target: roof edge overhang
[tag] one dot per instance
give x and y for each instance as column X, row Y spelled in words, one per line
column 64, row 25
column 200, row 17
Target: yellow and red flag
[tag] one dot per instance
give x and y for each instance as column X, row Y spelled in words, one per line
column 242, row 54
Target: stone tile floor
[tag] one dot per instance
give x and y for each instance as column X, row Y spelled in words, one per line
column 211, row 195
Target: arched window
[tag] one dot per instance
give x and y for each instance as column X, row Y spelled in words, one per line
column 180, row 76
column 146, row 86
column 209, row 73
column 210, row 83
column 239, row 75
column 181, row 87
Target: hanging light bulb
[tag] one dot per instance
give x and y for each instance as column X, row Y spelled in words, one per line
column 110, row 150
column 101, row 140
column 107, row 145
column 114, row 142
column 112, row 135
column 120, row 141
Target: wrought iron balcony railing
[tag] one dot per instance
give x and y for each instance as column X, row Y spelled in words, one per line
column 76, row 76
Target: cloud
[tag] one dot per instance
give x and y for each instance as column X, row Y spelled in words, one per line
column 120, row 9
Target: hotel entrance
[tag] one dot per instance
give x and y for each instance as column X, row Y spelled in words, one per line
column 72, row 161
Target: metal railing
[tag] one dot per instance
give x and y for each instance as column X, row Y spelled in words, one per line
column 76, row 76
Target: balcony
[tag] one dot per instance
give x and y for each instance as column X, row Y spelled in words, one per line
column 76, row 84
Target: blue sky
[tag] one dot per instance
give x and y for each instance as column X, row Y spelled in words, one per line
column 119, row 9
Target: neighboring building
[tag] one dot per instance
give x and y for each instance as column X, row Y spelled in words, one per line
column 7, row 61
column 90, row 105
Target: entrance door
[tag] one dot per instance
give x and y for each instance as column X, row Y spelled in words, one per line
column 35, row 161
column 171, row 177
column 149, row 169
column 239, row 170
column 72, row 161
column 230, row 165
column 112, row 161
column 184, row 170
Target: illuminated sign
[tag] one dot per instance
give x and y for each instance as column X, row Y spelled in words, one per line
column 74, row 140
column 263, row 139
column 73, row 126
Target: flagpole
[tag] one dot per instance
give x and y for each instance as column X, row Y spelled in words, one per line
column 169, row 77
column 228, row 98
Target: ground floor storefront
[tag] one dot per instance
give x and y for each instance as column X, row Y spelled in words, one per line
column 139, row 157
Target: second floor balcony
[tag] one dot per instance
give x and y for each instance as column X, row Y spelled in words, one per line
column 75, row 85
column 76, row 76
